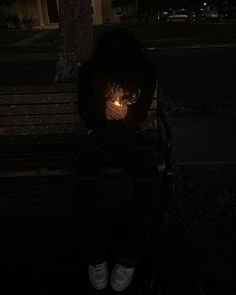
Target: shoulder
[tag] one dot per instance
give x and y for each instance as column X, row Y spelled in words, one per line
column 91, row 68
column 86, row 68
column 149, row 69
column 88, row 74
column 148, row 74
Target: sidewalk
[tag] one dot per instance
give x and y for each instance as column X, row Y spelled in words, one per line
column 199, row 140
column 47, row 41
column 22, row 57
column 35, row 37
column 27, row 57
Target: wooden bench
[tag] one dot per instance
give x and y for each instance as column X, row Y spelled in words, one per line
column 41, row 131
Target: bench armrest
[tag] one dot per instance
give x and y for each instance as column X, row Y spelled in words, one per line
column 161, row 117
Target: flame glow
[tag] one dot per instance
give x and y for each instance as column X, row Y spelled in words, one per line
column 117, row 103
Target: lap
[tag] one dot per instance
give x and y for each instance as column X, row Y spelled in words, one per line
column 140, row 163
column 118, row 145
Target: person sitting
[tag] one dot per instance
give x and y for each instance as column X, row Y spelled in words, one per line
column 115, row 91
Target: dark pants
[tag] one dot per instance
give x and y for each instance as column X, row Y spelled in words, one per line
column 124, row 210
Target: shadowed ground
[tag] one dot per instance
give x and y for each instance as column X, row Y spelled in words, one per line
column 41, row 244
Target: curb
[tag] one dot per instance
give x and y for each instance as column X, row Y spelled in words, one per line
column 53, row 56
column 28, row 57
column 182, row 47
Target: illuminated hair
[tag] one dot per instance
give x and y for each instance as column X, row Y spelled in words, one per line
column 120, row 55
column 118, row 45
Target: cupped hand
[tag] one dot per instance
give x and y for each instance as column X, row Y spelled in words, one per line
column 115, row 112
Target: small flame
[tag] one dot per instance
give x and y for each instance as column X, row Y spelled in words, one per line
column 117, row 102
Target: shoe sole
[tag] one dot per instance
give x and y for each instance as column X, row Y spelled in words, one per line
column 104, row 284
column 118, row 288
column 99, row 288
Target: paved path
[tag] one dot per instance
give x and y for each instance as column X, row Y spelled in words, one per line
column 204, row 139
column 27, row 41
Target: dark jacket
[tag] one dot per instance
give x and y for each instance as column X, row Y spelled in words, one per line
column 92, row 85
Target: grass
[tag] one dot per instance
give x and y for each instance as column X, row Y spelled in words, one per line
column 205, row 209
column 207, row 105
column 204, row 194
column 29, row 49
column 163, row 32
column 199, row 98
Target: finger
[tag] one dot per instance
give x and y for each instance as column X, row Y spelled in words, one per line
column 108, row 113
column 118, row 111
column 124, row 102
column 118, row 115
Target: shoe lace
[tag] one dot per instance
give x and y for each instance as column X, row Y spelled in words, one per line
column 99, row 267
column 122, row 268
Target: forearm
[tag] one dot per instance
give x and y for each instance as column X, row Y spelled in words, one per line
column 137, row 113
column 92, row 114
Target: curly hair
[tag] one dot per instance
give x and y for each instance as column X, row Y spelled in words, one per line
column 120, row 54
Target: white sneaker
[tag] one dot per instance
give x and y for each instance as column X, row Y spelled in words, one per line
column 121, row 277
column 98, row 275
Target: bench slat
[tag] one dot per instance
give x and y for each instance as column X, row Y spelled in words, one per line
column 154, row 104
column 35, row 89
column 16, row 142
column 43, row 98
column 40, row 127
column 151, row 115
column 65, row 108
column 149, row 125
column 40, row 120
column 46, row 129
column 58, row 121
column 35, row 124
column 57, row 129
column 38, row 109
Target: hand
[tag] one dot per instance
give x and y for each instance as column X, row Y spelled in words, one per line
column 113, row 91
column 115, row 112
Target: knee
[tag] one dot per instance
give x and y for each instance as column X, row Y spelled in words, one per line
column 142, row 165
column 92, row 161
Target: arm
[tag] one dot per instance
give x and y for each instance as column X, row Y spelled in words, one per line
column 91, row 100
column 137, row 113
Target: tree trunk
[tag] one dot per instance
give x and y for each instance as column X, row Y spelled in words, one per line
column 190, row 14
column 76, row 38
column 3, row 18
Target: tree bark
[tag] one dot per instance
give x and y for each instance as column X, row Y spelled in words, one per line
column 76, row 38
column 190, row 11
